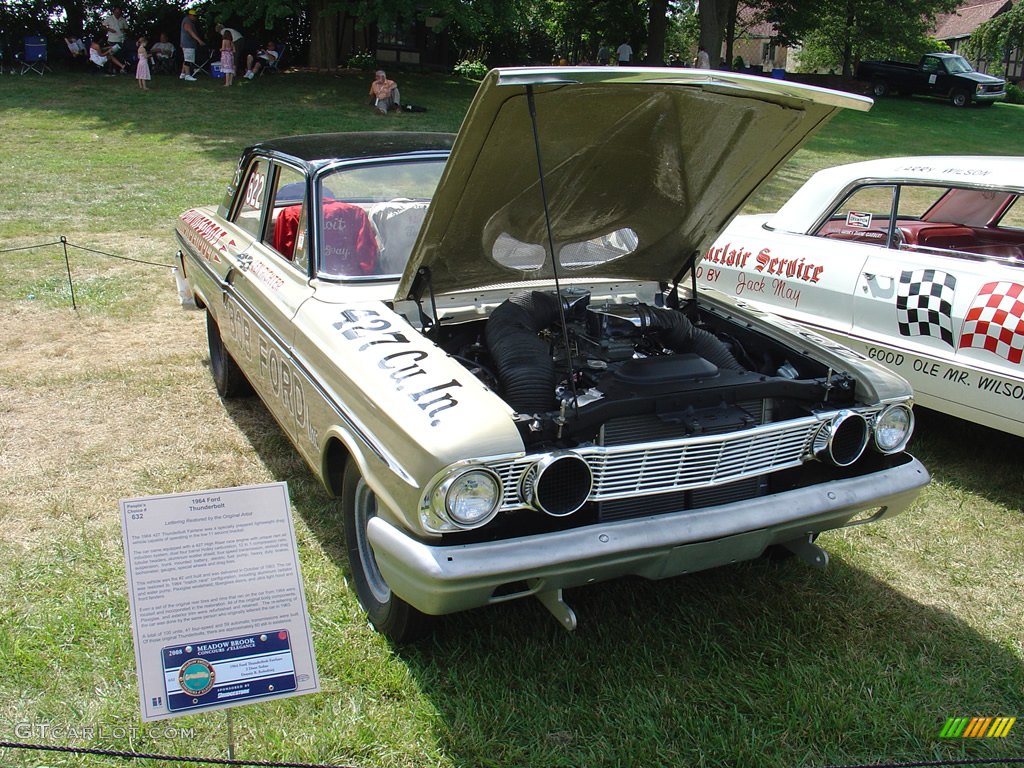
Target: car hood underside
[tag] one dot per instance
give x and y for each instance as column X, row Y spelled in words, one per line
column 661, row 158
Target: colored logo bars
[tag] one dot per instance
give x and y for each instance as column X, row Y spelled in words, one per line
column 977, row 727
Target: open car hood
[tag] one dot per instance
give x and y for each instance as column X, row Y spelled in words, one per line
column 641, row 169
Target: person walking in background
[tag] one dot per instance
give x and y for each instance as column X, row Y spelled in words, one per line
column 227, row 57
column 702, row 60
column 603, row 55
column 142, row 67
column 190, row 40
column 623, row 54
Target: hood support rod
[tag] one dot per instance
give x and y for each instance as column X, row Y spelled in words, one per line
column 551, row 248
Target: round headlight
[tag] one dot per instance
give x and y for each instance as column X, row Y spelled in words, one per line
column 472, row 498
column 893, row 428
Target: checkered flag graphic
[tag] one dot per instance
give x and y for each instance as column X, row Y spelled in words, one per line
column 995, row 321
column 924, row 304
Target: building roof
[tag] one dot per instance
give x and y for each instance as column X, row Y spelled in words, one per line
column 967, row 18
column 750, row 23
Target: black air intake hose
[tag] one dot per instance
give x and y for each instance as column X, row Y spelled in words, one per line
column 680, row 335
column 525, row 367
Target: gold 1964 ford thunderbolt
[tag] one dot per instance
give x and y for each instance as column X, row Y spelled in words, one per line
column 492, row 348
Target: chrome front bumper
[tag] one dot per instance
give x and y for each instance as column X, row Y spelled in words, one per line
column 439, row 580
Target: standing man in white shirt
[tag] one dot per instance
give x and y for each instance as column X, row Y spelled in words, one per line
column 116, row 26
column 623, row 54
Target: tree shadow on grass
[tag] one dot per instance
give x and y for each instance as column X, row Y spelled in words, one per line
column 221, row 120
column 759, row 664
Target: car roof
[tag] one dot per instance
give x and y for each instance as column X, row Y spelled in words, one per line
column 315, row 150
column 803, row 209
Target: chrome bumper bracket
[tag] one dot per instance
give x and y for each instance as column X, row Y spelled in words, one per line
column 808, row 551
column 552, row 600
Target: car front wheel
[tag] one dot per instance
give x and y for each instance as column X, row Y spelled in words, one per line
column 389, row 614
column 227, row 376
column 960, row 99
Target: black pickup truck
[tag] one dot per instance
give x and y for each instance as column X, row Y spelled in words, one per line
column 945, row 75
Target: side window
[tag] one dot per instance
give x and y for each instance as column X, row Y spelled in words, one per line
column 287, row 232
column 917, row 200
column 1013, row 216
column 863, row 216
column 253, row 193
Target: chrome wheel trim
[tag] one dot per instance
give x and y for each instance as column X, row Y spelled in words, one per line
column 365, row 508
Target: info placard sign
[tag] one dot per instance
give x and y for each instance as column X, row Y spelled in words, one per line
column 218, row 612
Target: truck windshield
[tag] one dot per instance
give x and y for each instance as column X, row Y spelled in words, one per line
column 957, row 64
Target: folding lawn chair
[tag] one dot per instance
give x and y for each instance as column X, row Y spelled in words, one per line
column 204, row 67
column 33, row 58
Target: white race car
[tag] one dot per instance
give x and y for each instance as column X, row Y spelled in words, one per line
column 918, row 262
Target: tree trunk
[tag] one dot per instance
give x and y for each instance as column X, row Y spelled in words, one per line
column 656, row 27
column 75, row 12
column 712, row 16
column 323, row 35
column 730, row 33
column 848, row 42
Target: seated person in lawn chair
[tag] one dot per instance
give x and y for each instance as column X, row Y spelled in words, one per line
column 104, row 60
column 163, row 55
column 384, row 95
column 78, row 53
column 265, row 57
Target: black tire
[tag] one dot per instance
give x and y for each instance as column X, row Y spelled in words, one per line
column 879, row 88
column 389, row 614
column 960, row 98
column 227, row 376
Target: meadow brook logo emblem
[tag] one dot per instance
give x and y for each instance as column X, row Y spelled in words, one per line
column 977, row 727
column 196, row 677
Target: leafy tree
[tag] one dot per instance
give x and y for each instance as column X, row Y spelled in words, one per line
column 994, row 39
column 839, row 33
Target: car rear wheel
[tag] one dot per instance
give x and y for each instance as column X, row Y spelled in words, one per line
column 227, row 376
column 879, row 88
column 389, row 614
column 960, row 98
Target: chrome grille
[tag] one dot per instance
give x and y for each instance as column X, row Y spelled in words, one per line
column 643, row 469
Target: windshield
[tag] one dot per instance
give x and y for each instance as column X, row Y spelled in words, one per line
column 370, row 215
column 958, row 64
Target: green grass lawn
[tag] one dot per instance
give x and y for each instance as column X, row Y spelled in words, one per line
column 762, row 664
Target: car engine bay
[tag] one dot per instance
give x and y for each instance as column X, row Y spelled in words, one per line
column 622, row 373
